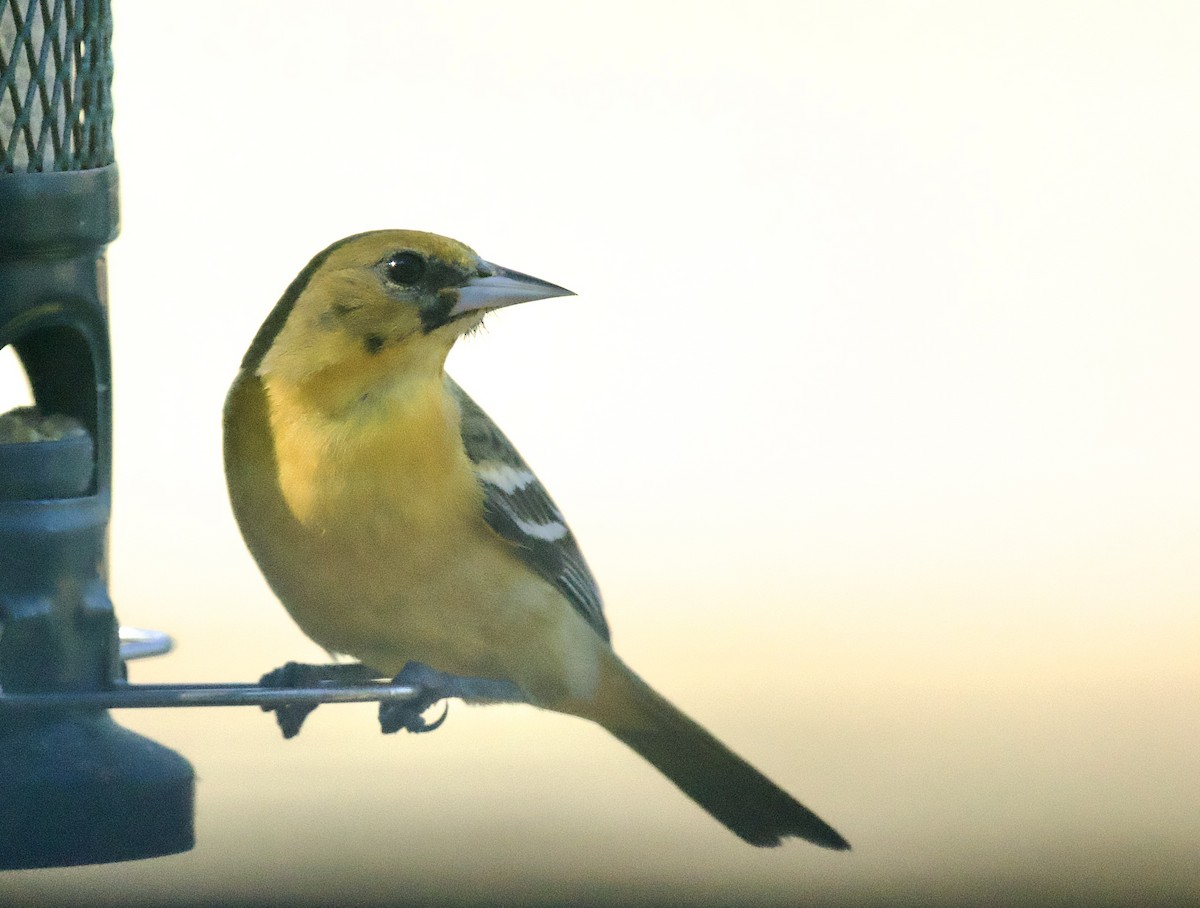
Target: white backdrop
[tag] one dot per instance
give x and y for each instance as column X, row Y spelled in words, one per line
column 876, row 416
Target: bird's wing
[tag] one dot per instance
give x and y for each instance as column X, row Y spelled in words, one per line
column 518, row 508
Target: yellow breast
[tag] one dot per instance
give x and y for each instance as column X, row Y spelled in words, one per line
column 391, row 462
column 368, row 525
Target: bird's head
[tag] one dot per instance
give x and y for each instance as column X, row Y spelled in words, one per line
column 389, row 299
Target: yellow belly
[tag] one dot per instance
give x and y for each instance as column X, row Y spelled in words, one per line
column 370, row 531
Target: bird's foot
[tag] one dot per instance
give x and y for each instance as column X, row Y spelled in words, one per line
column 290, row 716
column 431, row 686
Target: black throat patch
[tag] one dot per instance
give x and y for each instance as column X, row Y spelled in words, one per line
column 436, row 313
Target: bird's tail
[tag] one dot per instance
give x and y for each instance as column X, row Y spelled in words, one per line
column 729, row 788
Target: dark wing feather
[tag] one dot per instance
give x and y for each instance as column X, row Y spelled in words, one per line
column 517, row 507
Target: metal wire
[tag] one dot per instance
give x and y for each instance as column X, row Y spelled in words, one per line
column 55, row 78
column 154, row 696
column 140, row 643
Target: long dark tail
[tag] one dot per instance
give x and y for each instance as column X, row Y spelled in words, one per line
column 733, row 791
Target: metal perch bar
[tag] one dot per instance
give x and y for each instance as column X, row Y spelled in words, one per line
column 148, row 696
column 138, row 643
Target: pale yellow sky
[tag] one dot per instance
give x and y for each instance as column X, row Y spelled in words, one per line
column 876, row 416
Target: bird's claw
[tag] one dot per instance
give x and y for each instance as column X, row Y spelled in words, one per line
column 395, row 716
column 429, row 686
column 289, row 716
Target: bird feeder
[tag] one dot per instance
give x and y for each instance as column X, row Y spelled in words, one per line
column 75, row 787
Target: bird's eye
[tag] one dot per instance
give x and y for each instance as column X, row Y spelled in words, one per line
column 404, row 268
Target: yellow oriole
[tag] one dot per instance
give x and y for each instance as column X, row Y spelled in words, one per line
column 398, row 525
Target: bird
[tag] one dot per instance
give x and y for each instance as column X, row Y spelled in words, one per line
column 399, row 526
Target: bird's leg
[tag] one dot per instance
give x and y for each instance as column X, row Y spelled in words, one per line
column 431, row 686
column 290, row 716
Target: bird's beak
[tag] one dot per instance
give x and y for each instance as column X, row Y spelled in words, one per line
column 496, row 287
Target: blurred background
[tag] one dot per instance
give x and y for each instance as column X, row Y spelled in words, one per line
column 876, row 416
